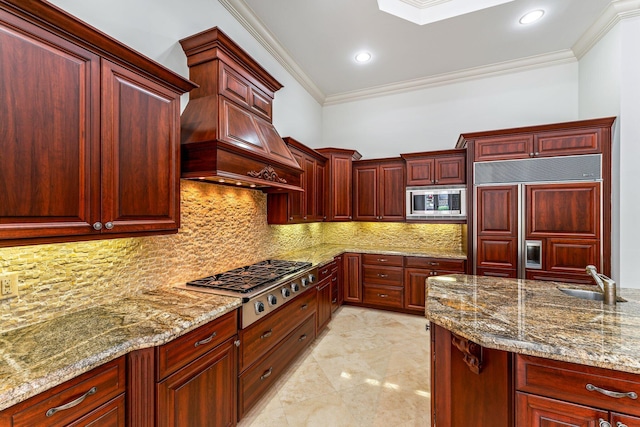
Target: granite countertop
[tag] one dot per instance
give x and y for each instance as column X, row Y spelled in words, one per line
column 323, row 254
column 38, row 357
column 535, row 318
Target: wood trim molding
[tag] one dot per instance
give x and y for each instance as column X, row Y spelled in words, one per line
column 472, row 352
column 141, row 382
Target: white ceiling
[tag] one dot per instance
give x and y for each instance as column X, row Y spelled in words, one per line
column 318, row 39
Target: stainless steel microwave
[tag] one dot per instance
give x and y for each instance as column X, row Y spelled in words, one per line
column 437, row 202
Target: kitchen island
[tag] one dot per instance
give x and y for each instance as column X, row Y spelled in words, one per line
column 515, row 352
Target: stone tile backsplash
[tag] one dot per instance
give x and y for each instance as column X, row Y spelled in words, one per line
column 221, row 228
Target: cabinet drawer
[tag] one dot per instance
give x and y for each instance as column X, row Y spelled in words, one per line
column 325, row 271
column 391, row 276
column 261, row 336
column 182, row 350
column 260, row 377
column 88, row 392
column 395, row 260
column 110, row 414
column 388, row 296
column 568, row 381
column 448, row 264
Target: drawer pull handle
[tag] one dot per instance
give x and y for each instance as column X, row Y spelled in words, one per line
column 206, row 340
column 434, row 263
column 325, row 271
column 614, row 394
column 267, row 373
column 383, row 295
column 73, row 403
column 304, row 307
column 335, row 279
column 619, row 424
column 335, row 300
column 266, row 334
column 302, row 338
column 603, row 423
column 382, row 275
column 382, row 260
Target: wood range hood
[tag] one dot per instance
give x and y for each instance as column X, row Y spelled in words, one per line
column 227, row 135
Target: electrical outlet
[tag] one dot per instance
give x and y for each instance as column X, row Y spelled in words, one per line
column 8, row 285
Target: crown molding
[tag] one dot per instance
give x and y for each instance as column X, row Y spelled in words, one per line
column 614, row 13
column 523, row 64
column 245, row 16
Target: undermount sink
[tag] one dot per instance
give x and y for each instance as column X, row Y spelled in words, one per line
column 590, row 295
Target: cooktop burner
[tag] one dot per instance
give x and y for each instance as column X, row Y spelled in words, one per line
column 245, row 279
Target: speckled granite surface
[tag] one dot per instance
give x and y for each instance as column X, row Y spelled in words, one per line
column 38, row 357
column 536, row 318
column 323, row 254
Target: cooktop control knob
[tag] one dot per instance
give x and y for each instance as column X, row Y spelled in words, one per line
column 312, row 278
column 286, row 292
column 305, row 282
column 272, row 299
column 295, row 287
column 259, row 307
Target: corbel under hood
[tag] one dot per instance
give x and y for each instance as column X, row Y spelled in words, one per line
column 226, row 129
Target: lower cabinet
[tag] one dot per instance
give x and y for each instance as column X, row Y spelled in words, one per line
column 417, row 270
column 323, row 312
column 352, row 279
column 201, row 393
column 93, row 398
column 196, row 376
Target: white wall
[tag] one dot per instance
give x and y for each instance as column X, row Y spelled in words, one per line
column 433, row 118
column 600, row 80
column 153, row 27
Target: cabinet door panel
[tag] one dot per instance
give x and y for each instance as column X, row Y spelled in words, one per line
column 619, row 420
column 49, row 167
column 498, row 211
column 497, row 253
column 140, row 153
column 296, row 198
column 568, row 143
column 352, row 280
column 392, row 194
column 341, row 180
column 420, row 172
column 572, row 256
column 202, row 393
column 503, row 148
column 414, row 288
column 536, row 411
column 556, row 210
column 319, row 193
column 450, row 170
column 365, row 195
column 309, row 191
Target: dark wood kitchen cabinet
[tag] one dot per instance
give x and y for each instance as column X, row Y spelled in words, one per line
column 338, row 183
column 378, row 190
column 323, row 312
column 337, row 284
column 382, row 281
column 306, row 206
column 445, row 167
column 197, row 376
column 94, row 127
column 417, row 270
column 91, row 399
column 352, row 278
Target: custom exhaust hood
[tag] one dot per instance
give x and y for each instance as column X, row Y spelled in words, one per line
column 227, row 133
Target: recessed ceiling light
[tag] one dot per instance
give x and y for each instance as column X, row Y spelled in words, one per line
column 363, row 57
column 531, row 17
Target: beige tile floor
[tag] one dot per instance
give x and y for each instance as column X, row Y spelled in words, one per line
column 367, row 368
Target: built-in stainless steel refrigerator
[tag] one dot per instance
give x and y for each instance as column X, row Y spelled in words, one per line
column 538, row 218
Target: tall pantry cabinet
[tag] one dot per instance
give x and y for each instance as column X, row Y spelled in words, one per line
column 542, row 199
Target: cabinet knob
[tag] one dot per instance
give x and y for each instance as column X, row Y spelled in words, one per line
column 531, row 154
column 324, row 217
column 290, row 218
column 436, row 181
column 603, row 423
column 97, row 225
column 109, row 225
column 350, row 217
column 304, row 217
column 237, row 343
column 619, row 424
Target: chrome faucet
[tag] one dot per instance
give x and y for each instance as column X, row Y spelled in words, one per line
column 607, row 284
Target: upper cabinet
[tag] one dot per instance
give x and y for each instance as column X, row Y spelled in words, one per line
column 300, row 206
column 339, row 190
column 444, row 167
column 90, row 132
column 378, row 190
column 541, row 141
